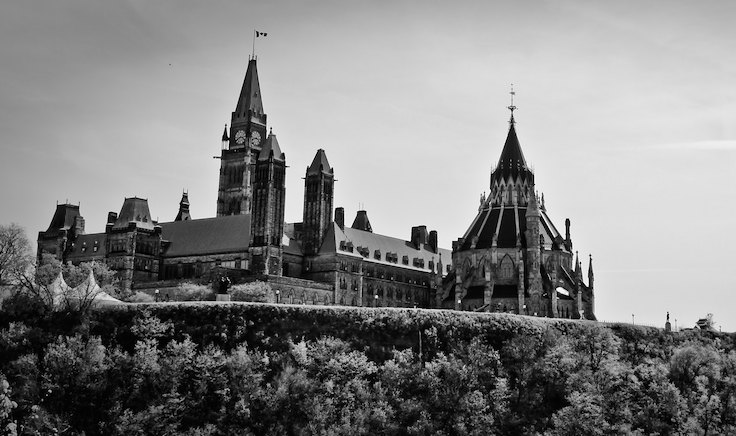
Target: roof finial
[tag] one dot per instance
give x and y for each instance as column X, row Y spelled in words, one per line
column 512, row 108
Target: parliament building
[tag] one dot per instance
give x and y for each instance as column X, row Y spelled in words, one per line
column 512, row 258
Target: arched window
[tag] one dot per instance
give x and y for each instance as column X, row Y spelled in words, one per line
column 506, row 270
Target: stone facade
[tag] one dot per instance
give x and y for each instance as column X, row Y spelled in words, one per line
column 512, row 258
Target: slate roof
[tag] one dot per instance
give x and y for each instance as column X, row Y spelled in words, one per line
column 319, row 164
column 134, row 210
column 224, row 234
column 384, row 244
column 63, row 218
column 250, row 93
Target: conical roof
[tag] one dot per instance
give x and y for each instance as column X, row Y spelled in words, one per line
column 319, row 164
column 250, row 93
column 270, row 145
column 511, row 162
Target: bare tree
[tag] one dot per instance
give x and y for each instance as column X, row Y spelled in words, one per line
column 15, row 254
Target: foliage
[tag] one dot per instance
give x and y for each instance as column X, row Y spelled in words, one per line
column 15, row 254
column 140, row 297
column 257, row 292
column 188, row 291
column 215, row 369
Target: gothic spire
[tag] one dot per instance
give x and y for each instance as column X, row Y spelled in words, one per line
column 183, row 214
column 512, row 162
column 250, row 94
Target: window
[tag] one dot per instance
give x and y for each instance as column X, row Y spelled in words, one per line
column 405, row 260
column 507, row 268
column 377, row 254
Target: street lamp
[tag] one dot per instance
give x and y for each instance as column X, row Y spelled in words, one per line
column 375, row 300
column 278, row 293
column 459, row 302
column 156, row 292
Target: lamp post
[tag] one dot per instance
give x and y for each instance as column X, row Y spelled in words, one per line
column 632, row 319
column 156, row 293
column 459, row 302
column 375, row 300
column 278, row 294
column 524, row 307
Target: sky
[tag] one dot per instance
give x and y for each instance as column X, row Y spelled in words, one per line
column 625, row 111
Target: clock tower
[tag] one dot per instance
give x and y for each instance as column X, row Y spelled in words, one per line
column 241, row 147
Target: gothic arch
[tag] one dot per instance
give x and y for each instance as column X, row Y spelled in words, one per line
column 506, row 267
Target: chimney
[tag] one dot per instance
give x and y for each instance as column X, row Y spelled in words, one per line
column 78, row 225
column 111, row 218
column 418, row 236
column 340, row 217
column 433, row 241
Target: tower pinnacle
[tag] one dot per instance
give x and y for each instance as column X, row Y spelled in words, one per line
column 512, row 108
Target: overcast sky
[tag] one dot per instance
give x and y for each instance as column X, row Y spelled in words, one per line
column 626, row 110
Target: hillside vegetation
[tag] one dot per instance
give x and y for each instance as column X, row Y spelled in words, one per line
column 248, row 368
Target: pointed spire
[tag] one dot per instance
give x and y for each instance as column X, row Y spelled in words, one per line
column 512, row 162
column 578, row 268
column 590, row 271
column 319, row 164
column 250, row 94
column 271, row 146
column 512, row 108
column 225, row 138
column 183, row 214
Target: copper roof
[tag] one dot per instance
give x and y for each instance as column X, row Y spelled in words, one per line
column 319, row 164
column 512, row 162
column 134, row 210
column 375, row 243
column 270, row 145
column 63, row 218
column 362, row 222
column 225, row 234
column 250, row 93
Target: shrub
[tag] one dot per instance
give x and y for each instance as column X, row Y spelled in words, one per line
column 192, row 292
column 257, row 292
column 140, row 297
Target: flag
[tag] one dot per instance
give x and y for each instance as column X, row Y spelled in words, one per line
column 261, row 34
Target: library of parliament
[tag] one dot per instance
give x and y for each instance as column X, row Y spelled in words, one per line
column 511, row 258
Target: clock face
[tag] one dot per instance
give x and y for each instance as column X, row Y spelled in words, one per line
column 255, row 138
column 240, row 136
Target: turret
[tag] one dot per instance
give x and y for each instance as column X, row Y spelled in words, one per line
column 183, row 214
column 225, row 138
column 318, row 190
column 362, row 222
column 590, row 272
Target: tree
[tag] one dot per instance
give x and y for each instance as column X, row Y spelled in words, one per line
column 15, row 254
